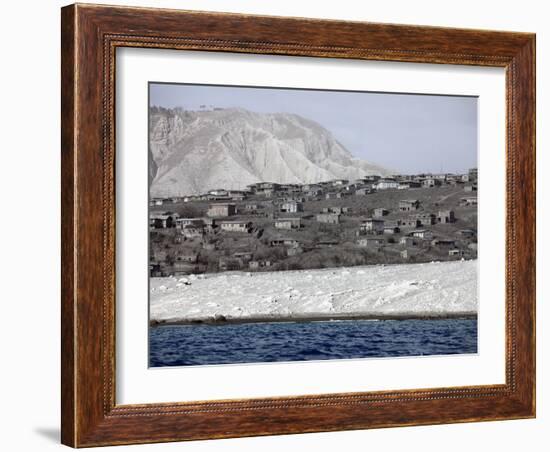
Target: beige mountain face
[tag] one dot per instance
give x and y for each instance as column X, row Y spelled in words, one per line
column 191, row 152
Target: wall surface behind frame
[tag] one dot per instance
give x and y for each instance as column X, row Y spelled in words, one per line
column 30, row 252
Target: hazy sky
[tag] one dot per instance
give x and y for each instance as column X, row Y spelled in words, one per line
column 407, row 133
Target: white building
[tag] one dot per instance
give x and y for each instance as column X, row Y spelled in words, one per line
column 385, row 184
column 431, row 182
column 221, row 210
column 288, row 223
column 182, row 222
column 292, row 207
column 329, row 218
column 235, row 226
column 340, row 182
column 422, row 234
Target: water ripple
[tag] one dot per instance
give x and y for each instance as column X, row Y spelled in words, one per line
column 289, row 341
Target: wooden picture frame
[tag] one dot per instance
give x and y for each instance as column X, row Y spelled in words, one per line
column 90, row 36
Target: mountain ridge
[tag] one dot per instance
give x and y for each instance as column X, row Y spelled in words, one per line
column 191, row 152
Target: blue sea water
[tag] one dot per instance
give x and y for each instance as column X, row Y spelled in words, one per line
column 184, row 345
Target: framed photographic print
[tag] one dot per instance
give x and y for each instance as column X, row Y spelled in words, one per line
column 282, row 225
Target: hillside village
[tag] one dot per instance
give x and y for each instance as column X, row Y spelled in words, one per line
column 270, row 226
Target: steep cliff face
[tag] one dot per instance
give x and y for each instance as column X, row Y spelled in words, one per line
column 192, row 152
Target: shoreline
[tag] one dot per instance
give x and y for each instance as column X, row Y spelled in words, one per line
column 401, row 292
column 300, row 318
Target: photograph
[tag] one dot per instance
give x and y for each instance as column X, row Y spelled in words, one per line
column 290, row 224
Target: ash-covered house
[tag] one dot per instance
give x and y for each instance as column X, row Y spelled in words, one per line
column 191, row 198
column 309, row 187
column 400, row 177
column 380, row 212
column 187, row 256
column 256, row 265
column 443, row 243
column 288, row 223
column 408, row 241
column 431, row 182
column 185, row 262
column 161, row 220
column 338, row 209
column 236, row 226
column 371, row 242
column 243, row 256
column 372, row 226
column 182, row 222
column 343, row 194
column 470, row 187
column 424, row 234
column 156, row 202
column 363, row 191
column 467, row 233
column 297, row 197
column 328, row 218
column 469, row 201
column 261, row 188
column 183, row 268
column 457, row 252
column 252, row 207
column 266, row 189
column 314, row 192
column 225, row 209
column 371, row 178
column 408, row 205
column 386, row 184
column 289, row 188
column 426, row 219
column 285, row 242
column 411, row 222
column 193, row 231
column 210, row 224
column 218, row 192
column 408, row 184
column 454, row 179
column 446, row 216
column 236, row 195
column 391, row 227
column 228, row 263
column 327, row 243
column 292, row 207
column 454, row 182
column 339, row 182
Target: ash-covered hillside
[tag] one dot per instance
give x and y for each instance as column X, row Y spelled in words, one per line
column 192, row 152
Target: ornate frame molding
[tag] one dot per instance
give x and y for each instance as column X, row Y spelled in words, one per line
column 90, row 37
